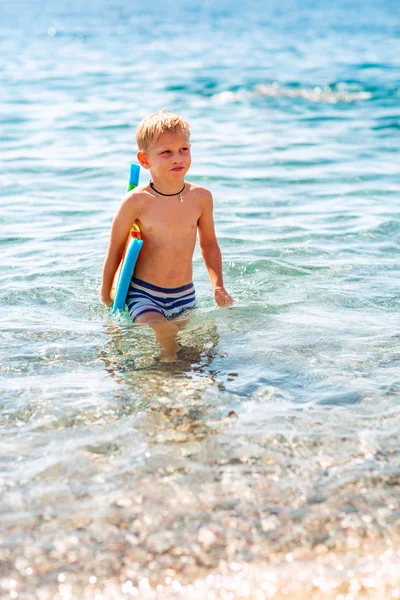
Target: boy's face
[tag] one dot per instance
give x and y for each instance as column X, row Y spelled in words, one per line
column 168, row 158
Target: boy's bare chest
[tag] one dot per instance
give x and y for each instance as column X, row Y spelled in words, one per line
column 169, row 218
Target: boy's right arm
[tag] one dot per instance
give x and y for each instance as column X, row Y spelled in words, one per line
column 127, row 214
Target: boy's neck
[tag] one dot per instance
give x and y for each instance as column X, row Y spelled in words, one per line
column 168, row 188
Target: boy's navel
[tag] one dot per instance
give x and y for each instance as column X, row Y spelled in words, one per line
column 171, row 274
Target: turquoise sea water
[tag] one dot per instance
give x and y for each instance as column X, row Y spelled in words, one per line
column 265, row 463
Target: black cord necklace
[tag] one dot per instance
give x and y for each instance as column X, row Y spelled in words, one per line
column 151, row 184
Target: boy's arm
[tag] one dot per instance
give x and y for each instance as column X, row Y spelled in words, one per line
column 127, row 214
column 211, row 252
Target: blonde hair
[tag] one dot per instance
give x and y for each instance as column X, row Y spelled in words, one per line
column 153, row 126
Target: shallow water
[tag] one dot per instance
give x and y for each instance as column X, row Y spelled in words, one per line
column 265, row 463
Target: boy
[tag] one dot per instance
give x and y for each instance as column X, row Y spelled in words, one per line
column 169, row 211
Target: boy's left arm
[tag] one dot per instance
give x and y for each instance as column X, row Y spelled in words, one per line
column 211, row 252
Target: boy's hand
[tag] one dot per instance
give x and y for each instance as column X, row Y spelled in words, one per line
column 222, row 298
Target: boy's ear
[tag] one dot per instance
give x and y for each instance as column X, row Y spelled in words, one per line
column 142, row 158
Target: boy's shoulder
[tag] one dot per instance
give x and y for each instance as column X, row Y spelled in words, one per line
column 132, row 203
column 197, row 188
column 200, row 191
column 136, row 196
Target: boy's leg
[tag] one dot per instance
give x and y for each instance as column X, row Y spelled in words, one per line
column 165, row 332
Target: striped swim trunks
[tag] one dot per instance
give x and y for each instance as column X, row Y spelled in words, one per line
column 145, row 297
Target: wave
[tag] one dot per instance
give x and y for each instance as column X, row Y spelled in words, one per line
column 332, row 94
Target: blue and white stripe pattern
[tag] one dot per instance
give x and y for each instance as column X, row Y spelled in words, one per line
column 145, row 297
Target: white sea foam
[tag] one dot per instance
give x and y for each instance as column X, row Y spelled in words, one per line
column 325, row 93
